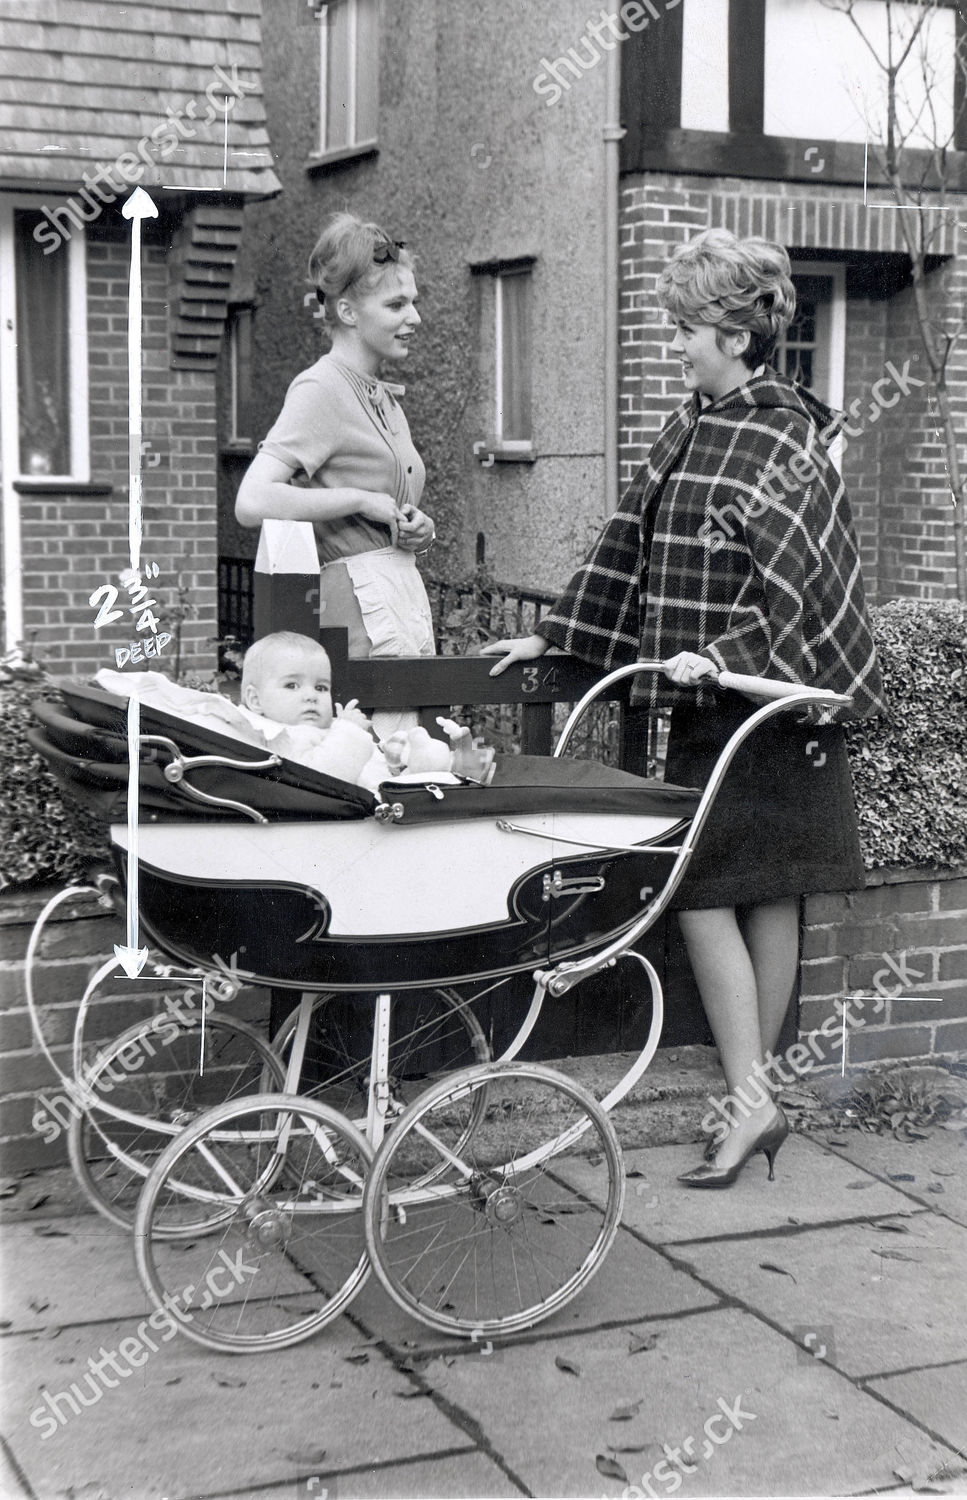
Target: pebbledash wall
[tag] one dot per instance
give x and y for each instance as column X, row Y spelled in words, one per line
column 906, row 934
column 895, row 469
column 75, row 536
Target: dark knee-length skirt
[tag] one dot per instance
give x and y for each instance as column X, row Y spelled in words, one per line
column 784, row 821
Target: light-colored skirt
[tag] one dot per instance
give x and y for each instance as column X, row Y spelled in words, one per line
column 380, row 598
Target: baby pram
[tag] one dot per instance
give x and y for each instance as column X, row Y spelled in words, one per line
column 486, row 1199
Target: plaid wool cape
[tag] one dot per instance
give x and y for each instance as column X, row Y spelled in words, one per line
column 735, row 539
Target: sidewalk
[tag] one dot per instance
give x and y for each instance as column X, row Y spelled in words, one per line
column 807, row 1336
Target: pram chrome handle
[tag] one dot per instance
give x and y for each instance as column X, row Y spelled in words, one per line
column 759, row 687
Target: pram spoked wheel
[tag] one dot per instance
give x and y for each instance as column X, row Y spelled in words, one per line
column 249, row 1228
column 431, row 1032
column 490, row 1231
column 144, row 1087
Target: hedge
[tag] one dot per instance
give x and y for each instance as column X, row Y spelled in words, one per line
column 909, row 767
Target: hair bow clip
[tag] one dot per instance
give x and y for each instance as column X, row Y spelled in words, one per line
column 387, row 249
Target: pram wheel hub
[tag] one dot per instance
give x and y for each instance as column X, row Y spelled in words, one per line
column 266, row 1227
column 504, row 1205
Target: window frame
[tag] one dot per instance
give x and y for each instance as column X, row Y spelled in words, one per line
column 235, row 441
column 77, row 348
column 512, row 449
column 357, row 144
column 12, row 481
column 835, row 394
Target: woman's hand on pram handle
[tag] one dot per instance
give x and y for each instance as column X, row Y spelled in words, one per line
column 526, row 648
column 688, row 668
column 691, row 670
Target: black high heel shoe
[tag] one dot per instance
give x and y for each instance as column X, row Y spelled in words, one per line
column 708, row 1175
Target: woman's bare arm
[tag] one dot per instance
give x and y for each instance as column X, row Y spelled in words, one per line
column 267, row 494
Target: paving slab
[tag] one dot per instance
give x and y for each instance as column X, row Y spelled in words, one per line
column 878, row 1300
column 934, row 1171
column 937, row 1396
column 191, row 1422
column 812, row 1186
column 633, row 1283
column 467, row 1473
column 799, row 1426
column 67, row 1270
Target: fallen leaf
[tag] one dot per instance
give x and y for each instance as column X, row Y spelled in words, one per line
column 936, row 1187
column 357, row 1359
column 625, row 1413
column 229, row 1382
column 567, row 1365
column 641, row 1343
column 767, row 1265
column 858, row 1187
column 610, row 1468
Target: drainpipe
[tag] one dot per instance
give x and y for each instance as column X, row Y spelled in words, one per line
column 611, row 135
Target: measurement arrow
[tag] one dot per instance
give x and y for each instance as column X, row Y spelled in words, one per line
column 139, row 206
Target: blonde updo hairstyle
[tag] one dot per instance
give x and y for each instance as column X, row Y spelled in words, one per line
column 736, row 285
column 342, row 260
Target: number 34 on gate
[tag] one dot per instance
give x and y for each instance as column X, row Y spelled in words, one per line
column 533, row 680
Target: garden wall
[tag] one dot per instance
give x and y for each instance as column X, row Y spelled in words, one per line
column 901, row 945
column 906, row 934
column 76, row 941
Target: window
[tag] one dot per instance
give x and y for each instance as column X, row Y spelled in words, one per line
column 43, row 367
column 44, row 363
column 348, row 75
column 822, row 81
column 813, row 348
column 240, row 330
column 512, row 346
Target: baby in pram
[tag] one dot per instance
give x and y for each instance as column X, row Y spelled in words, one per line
column 287, row 708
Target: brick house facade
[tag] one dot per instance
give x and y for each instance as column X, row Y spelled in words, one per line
column 172, row 103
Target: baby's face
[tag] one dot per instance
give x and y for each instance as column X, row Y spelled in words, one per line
column 293, row 687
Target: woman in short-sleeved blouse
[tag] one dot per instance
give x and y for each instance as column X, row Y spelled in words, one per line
column 340, row 454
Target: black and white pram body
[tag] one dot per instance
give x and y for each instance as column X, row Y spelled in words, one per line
column 317, row 882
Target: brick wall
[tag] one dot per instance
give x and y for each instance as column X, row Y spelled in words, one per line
column 904, row 935
column 72, row 542
column 79, row 937
column 895, row 469
column 852, row 943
